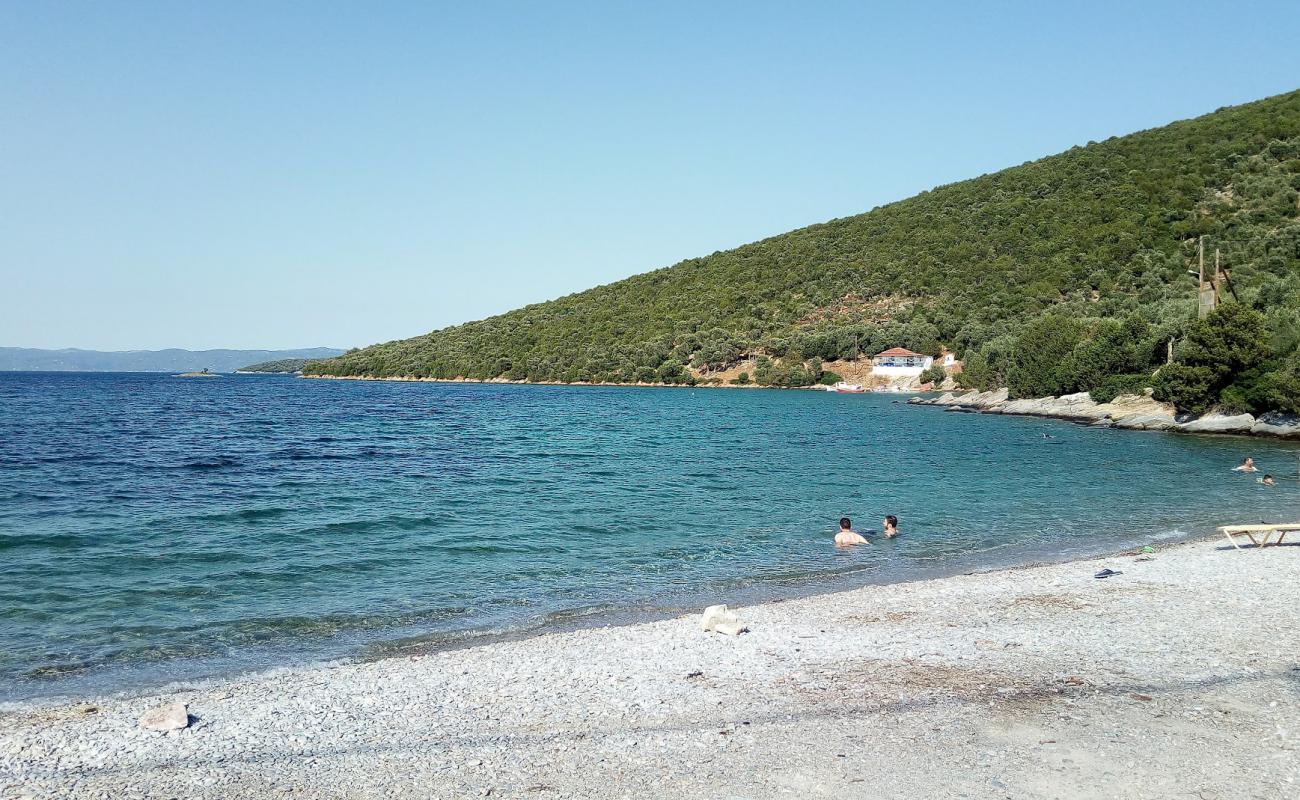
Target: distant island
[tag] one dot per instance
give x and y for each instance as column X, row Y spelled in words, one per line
column 171, row 360
column 1094, row 270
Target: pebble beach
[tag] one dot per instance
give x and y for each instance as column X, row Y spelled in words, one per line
column 1178, row 677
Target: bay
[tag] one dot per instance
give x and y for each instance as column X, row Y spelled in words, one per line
column 154, row 528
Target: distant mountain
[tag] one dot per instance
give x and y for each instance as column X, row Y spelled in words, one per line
column 171, row 360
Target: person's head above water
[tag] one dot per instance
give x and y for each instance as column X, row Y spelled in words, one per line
column 891, row 521
column 845, row 523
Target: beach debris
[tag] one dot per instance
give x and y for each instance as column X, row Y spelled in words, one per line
column 696, row 674
column 730, row 628
column 172, row 717
column 721, row 619
column 1106, row 573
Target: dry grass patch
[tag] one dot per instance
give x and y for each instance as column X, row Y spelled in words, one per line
column 872, row 685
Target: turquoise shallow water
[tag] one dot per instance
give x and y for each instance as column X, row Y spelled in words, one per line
column 155, row 528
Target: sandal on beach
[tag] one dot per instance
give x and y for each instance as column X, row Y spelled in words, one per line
column 1106, row 573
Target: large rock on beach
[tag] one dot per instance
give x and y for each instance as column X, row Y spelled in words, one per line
column 171, row 717
column 721, row 619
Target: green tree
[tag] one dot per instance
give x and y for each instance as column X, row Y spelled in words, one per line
column 1229, row 344
column 1040, row 351
column 935, row 374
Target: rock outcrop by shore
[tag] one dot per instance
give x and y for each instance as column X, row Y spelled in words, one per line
column 1131, row 412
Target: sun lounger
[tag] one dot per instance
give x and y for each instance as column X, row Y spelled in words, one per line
column 1259, row 535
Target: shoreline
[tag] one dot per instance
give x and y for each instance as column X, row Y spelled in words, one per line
column 745, row 591
column 1127, row 412
column 1013, row 681
column 507, row 382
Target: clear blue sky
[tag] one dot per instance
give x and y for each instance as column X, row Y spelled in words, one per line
column 228, row 174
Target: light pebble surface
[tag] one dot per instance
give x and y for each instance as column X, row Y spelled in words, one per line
column 1178, row 678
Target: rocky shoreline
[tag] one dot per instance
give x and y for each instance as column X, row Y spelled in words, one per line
column 1174, row 677
column 1130, row 412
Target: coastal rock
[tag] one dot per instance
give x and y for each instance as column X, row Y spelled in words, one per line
column 716, row 616
column 1287, row 425
column 1220, row 423
column 171, row 717
column 1078, row 407
column 982, row 401
column 1146, row 422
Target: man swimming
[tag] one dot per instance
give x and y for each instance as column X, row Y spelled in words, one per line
column 847, row 535
column 891, row 526
column 1246, row 466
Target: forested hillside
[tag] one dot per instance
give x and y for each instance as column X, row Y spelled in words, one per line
column 1061, row 274
column 276, row 366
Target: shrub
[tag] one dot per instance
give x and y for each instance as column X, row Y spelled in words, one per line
column 741, row 380
column 1039, row 353
column 814, row 371
column 1188, row 388
column 1284, row 386
column 935, row 374
column 1116, row 385
column 1229, row 345
column 830, row 378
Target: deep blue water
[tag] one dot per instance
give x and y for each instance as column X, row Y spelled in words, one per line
column 156, row 528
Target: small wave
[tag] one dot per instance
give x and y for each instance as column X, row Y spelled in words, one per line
column 211, row 463
column 51, row 540
column 382, row 524
column 467, row 548
column 23, row 495
column 307, row 455
column 246, row 515
column 53, row 672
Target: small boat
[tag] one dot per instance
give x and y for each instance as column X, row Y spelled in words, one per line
column 847, row 388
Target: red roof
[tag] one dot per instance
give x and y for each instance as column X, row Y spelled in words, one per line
column 898, row 351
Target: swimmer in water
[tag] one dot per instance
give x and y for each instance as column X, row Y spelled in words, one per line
column 891, row 526
column 1267, row 480
column 847, row 535
column 1246, row 466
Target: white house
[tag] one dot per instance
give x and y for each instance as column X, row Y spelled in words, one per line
column 901, row 363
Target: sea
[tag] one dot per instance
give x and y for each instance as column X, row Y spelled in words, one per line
column 156, row 529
